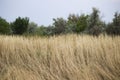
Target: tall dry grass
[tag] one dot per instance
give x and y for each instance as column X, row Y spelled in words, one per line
column 70, row 57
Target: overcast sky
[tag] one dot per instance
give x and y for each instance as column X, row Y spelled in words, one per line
column 43, row 11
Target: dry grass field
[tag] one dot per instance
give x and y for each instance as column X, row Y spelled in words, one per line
column 65, row 57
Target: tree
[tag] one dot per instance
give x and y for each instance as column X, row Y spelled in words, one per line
column 82, row 23
column 72, row 23
column 31, row 28
column 45, row 30
column 60, row 25
column 20, row 25
column 95, row 24
column 116, row 19
column 76, row 23
column 50, row 30
column 4, row 26
column 42, row 31
column 113, row 28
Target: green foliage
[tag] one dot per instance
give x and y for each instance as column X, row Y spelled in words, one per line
column 114, row 27
column 76, row 23
column 116, row 19
column 20, row 25
column 95, row 24
column 82, row 23
column 41, row 31
column 50, row 30
column 32, row 28
column 4, row 26
column 72, row 23
column 93, row 18
column 90, row 24
column 60, row 25
column 45, row 31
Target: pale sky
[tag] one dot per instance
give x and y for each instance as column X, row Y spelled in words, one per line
column 43, row 11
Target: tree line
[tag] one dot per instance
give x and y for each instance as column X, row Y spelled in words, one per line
column 80, row 24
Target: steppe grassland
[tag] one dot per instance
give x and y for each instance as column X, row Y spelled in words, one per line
column 65, row 57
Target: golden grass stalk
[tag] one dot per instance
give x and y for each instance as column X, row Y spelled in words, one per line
column 66, row 57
